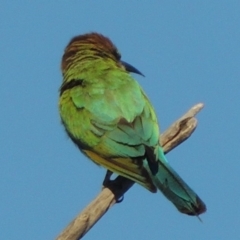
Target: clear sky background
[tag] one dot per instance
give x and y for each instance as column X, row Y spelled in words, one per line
column 189, row 52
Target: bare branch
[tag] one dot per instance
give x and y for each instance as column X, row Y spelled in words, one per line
column 180, row 130
column 177, row 133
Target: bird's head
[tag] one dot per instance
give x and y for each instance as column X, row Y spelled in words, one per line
column 93, row 46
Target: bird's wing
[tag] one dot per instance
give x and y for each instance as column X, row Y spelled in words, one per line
column 127, row 167
column 114, row 135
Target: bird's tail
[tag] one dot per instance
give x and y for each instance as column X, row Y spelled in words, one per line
column 173, row 186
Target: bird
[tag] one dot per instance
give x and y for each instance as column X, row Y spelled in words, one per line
column 106, row 113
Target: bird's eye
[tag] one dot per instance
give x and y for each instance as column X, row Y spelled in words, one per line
column 117, row 54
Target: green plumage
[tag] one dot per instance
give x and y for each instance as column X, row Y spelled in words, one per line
column 107, row 114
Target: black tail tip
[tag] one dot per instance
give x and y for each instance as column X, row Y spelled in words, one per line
column 199, row 208
column 195, row 209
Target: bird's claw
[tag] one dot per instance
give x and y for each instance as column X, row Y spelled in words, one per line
column 119, row 200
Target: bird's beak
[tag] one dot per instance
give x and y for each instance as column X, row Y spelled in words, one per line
column 130, row 68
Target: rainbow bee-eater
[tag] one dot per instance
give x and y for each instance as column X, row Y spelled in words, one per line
column 109, row 117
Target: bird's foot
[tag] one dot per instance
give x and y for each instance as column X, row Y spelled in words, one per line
column 107, row 180
column 113, row 185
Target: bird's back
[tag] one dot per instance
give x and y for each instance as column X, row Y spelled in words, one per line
column 110, row 100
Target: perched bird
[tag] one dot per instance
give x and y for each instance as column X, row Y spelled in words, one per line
column 109, row 117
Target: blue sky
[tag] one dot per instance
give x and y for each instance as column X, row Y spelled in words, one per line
column 189, row 52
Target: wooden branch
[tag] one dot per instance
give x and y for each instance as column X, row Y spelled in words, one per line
column 177, row 133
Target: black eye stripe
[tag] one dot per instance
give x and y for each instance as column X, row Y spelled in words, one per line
column 70, row 84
